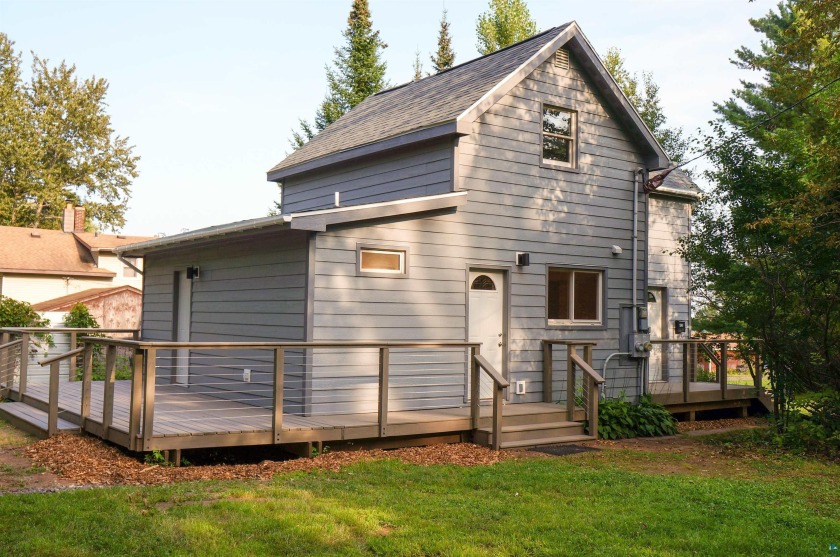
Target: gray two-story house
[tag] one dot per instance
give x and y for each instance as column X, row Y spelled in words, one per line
column 499, row 201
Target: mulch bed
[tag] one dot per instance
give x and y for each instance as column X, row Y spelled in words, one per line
column 731, row 423
column 88, row 461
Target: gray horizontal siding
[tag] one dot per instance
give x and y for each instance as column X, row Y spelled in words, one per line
column 419, row 171
column 250, row 290
column 670, row 222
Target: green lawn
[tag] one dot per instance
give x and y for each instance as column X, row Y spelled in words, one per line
column 616, row 502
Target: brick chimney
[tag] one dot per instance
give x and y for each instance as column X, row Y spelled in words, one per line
column 69, row 218
column 79, row 219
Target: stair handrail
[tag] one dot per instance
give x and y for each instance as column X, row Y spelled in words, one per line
column 499, row 384
column 593, row 381
column 52, row 409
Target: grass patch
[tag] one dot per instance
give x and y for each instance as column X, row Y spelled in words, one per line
column 10, row 436
column 601, row 503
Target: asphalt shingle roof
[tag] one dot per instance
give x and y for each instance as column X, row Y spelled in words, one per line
column 36, row 251
column 421, row 104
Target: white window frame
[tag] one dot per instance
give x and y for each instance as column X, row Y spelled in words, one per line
column 573, row 138
column 399, row 250
column 600, row 301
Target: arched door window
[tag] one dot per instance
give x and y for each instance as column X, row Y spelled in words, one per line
column 483, row 282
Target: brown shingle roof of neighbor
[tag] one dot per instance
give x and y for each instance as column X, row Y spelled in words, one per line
column 66, row 302
column 421, row 104
column 106, row 242
column 45, row 252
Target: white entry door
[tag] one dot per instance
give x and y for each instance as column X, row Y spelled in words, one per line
column 655, row 322
column 487, row 309
column 182, row 332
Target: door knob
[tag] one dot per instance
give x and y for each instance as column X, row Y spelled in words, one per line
column 500, row 344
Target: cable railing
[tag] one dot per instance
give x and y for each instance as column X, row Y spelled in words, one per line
column 137, row 392
column 581, row 389
column 700, row 370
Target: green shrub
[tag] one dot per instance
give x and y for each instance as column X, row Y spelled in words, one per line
column 813, row 424
column 79, row 317
column 703, row 375
column 619, row 419
column 19, row 314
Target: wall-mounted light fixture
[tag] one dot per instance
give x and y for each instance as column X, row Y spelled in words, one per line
column 193, row 272
column 523, row 259
column 679, row 327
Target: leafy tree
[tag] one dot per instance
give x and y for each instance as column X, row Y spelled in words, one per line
column 57, row 145
column 418, row 66
column 19, row 314
column 766, row 240
column 504, row 23
column 444, row 58
column 644, row 95
column 79, row 317
column 358, row 71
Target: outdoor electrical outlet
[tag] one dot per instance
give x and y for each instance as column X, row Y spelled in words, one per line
column 520, row 387
column 246, row 375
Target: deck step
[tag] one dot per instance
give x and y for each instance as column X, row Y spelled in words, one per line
column 547, row 441
column 32, row 420
column 539, row 433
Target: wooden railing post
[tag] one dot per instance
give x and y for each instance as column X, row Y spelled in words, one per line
column 52, row 410
column 384, row 356
column 548, row 371
column 135, row 403
column 475, row 388
column 24, row 364
column 6, row 374
column 593, row 406
column 149, row 398
column 498, row 391
column 686, row 383
column 108, row 389
column 570, row 382
column 724, row 364
column 279, row 372
column 87, row 376
column 71, row 374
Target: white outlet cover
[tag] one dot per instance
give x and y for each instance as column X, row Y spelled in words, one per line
column 246, row 375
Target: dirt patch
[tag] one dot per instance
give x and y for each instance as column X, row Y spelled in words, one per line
column 85, row 460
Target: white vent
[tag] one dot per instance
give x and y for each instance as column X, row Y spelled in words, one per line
column 561, row 59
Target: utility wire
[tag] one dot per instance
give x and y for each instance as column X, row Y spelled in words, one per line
column 657, row 180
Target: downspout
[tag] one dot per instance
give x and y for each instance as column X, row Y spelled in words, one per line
column 640, row 367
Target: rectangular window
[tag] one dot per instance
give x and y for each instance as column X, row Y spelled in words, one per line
column 382, row 261
column 574, row 297
column 558, row 127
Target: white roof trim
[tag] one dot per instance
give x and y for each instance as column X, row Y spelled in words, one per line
column 316, row 221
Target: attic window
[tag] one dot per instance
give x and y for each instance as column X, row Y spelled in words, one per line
column 561, row 59
column 559, row 127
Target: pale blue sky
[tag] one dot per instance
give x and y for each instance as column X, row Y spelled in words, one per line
column 208, row 91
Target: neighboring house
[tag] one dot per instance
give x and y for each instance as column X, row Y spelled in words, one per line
column 669, row 299
column 38, row 265
column 117, row 307
column 492, row 202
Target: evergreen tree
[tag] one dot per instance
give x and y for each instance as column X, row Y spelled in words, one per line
column 57, row 145
column 644, row 95
column 444, row 58
column 418, row 66
column 504, row 23
column 358, row 71
column 766, row 238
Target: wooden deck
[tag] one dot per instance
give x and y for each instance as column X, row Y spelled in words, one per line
column 185, row 419
column 704, row 396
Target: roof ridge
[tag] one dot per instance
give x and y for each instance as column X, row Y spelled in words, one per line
column 473, row 60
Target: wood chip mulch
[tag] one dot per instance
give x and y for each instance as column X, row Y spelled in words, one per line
column 89, row 461
column 731, row 423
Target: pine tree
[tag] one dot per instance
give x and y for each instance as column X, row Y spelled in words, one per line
column 418, row 66
column 444, row 58
column 358, row 71
column 504, row 23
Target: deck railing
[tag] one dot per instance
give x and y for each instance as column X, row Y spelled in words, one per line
column 582, row 381
column 160, row 373
column 694, row 370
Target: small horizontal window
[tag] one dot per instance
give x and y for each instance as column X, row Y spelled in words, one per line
column 382, row 261
column 574, row 297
